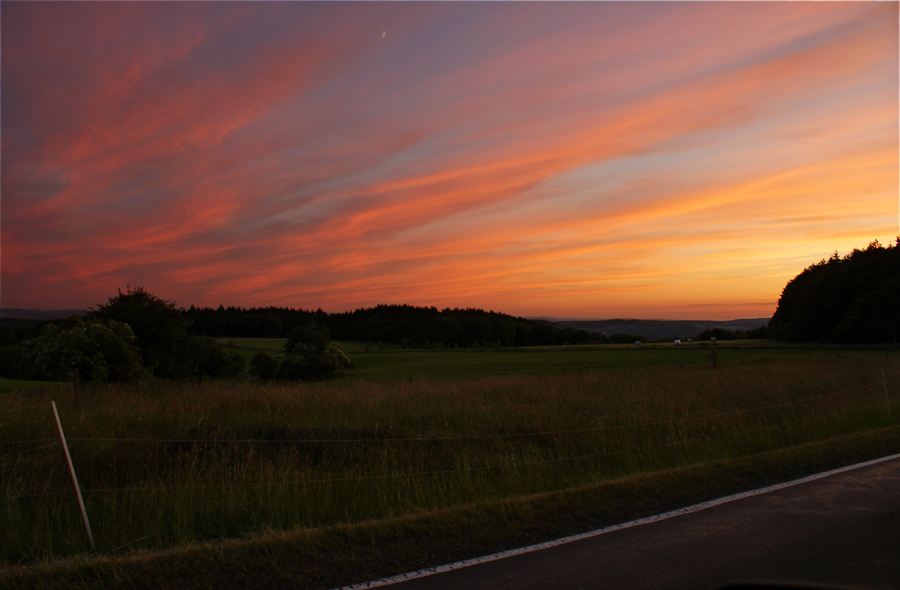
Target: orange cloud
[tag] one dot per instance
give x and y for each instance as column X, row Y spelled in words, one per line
column 586, row 160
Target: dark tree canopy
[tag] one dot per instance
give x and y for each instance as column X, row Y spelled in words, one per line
column 308, row 356
column 168, row 348
column 456, row 328
column 854, row 299
column 100, row 350
column 161, row 332
column 238, row 322
column 399, row 325
column 308, row 339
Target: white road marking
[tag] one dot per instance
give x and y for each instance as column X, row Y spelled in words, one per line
column 625, row 525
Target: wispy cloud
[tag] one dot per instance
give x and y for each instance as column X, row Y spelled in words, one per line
column 586, row 159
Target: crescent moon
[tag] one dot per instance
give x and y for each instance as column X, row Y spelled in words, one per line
column 383, row 34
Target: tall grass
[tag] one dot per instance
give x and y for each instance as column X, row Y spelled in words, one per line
column 163, row 464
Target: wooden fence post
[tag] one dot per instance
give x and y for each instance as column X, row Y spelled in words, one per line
column 62, row 437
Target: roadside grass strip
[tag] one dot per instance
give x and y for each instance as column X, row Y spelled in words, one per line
column 329, row 484
column 596, row 533
column 348, row 554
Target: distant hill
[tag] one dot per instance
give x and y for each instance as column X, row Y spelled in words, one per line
column 25, row 317
column 658, row 329
column 341, row 323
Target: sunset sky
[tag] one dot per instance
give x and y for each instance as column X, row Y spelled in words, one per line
column 577, row 160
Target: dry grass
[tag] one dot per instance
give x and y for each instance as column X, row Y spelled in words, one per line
column 165, row 465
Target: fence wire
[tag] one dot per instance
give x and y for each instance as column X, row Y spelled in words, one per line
column 43, row 405
column 473, row 436
column 395, row 475
column 23, row 451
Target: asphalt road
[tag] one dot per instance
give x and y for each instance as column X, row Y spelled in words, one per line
column 841, row 529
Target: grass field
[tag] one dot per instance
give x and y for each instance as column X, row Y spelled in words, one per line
column 472, row 363
column 18, row 386
column 164, row 465
column 375, row 363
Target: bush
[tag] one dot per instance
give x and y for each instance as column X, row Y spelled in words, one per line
column 264, row 366
column 219, row 363
column 308, row 356
column 297, row 368
column 311, row 339
column 100, row 351
column 160, row 331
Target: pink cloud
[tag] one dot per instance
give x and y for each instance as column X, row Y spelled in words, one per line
column 339, row 169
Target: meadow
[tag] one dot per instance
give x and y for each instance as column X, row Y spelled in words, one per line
column 164, row 464
column 382, row 363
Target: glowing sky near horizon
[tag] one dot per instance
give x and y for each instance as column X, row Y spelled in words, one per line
column 594, row 160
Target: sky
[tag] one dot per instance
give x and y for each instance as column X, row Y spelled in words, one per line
column 672, row 160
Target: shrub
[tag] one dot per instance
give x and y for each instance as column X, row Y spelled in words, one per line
column 308, row 356
column 218, row 363
column 160, row 332
column 264, row 366
column 100, row 351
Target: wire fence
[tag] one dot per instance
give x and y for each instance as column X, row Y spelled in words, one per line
column 32, row 449
column 604, row 451
column 474, row 468
column 539, row 433
column 31, row 407
column 511, row 465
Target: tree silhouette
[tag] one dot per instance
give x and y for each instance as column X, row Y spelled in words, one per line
column 853, row 299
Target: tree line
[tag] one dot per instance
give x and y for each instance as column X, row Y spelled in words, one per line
column 849, row 299
column 136, row 335
column 133, row 336
column 399, row 325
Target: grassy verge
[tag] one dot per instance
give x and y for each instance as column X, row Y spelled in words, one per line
column 170, row 467
column 332, row 556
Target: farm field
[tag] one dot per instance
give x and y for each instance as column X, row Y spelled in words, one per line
column 375, row 363
column 473, row 363
column 165, row 465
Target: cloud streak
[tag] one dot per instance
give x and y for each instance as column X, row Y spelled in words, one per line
column 594, row 160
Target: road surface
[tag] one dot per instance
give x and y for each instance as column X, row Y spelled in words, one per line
column 840, row 529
